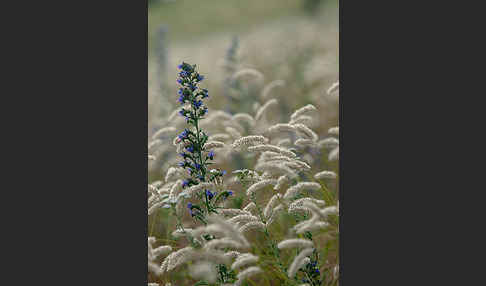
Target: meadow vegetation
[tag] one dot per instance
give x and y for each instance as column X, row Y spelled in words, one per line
column 243, row 145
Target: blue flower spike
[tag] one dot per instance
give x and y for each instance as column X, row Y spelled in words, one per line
column 193, row 139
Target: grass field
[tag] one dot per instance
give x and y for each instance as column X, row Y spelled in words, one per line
column 271, row 87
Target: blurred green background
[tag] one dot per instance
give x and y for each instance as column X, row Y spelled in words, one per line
column 189, row 19
column 292, row 40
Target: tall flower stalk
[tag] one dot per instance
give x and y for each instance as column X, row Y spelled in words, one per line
column 195, row 157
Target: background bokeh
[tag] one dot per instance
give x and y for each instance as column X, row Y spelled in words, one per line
column 292, row 40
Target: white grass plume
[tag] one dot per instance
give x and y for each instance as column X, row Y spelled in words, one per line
column 219, row 137
column 162, row 250
column 267, row 212
column 282, row 180
column 163, row 132
column 264, row 108
column 223, row 243
column 333, row 131
column 322, row 213
column 154, row 143
column 233, row 212
column 178, row 257
column 303, row 110
column 272, row 148
column 281, row 127
column 302, row 129
column 229, row 230
column 249, row 141
column 252, row 225
column 192, row 191
column 298, row 262
column 302, row 143
column 243, row 219
column 213, row 145
column 154, row 207
column 175, row 190
column 325, row 175
column 244, row 117
column 311, row 225
column 251, row 207
column 296, row 189
column 232, row 254
column 204, row 270
column 333, row 88
column 334, row 154
column 303, row 119
column 257, row 186
column 291, row 162
column 271, row 219
column 328, row 143
column 270, row 86
column 300, row 204
column 295, row 243
column 174, row 174
column 244, row 260
column 277, row 168
column 249, row 72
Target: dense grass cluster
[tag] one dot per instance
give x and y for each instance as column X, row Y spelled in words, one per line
column 244, row 146
column 273, row 219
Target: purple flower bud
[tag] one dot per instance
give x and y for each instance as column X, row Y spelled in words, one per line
column 192, row 87
column 209, row 194
column 184, row 134
column 197, row 103
column 185, row 183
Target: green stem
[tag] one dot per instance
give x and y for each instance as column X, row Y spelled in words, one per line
column 199, row 149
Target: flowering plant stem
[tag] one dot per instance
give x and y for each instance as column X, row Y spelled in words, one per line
column 197, row 159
